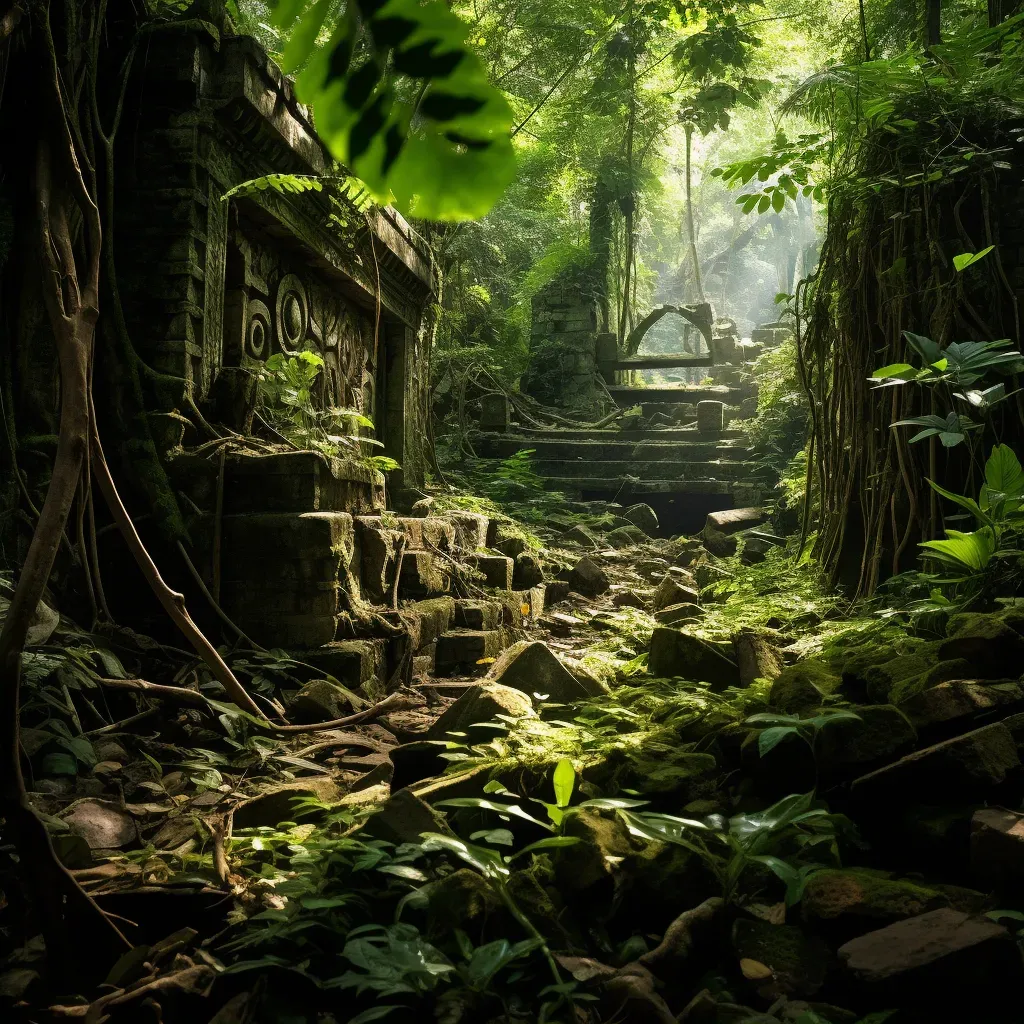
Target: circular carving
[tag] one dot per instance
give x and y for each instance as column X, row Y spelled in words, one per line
column 257, row 329
column 292, row 320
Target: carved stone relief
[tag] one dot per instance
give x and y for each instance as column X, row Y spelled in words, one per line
column 287, row 312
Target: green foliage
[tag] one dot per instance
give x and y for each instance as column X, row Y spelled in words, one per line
column 778, row 838
column 966, row 259
column 808, row 729
column 291, row 396
column 400, row 99
column 284, row 183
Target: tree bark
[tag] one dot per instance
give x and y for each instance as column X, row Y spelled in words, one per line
column 689, row 215
column 932, row 23
column 72, row 306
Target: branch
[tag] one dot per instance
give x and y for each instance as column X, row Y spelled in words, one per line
column 173, row 602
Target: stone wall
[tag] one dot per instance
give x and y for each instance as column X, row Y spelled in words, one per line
column 213, row 287
column 563, row 343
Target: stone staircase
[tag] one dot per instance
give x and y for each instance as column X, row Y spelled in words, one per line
column 303, row 545
column 680, row 454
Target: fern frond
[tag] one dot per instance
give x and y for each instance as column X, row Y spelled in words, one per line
column 293, row 183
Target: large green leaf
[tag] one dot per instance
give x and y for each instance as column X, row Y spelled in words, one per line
column 963, row 501
column 971, row 551
column 564, row 779
column 965, row 259
column 416, row 120
column 1004, row 480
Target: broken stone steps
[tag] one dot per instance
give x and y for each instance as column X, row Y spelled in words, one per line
column 625, row 397
column 496, row 446
column 529, row 437
column 279, row 482
column 639, row 488
column 471, row 651
column 675, row 470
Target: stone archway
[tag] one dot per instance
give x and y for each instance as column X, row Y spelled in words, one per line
column 700, row 315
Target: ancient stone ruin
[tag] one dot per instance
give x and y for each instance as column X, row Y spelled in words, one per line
column 289, row 544
column 679, row 451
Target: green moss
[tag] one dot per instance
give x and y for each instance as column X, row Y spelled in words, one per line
column 803, row 686
column 832, row 893
column 459, row 899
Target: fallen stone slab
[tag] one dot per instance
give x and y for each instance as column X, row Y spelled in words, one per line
column 938, row 958
column 720, row 528
column 101, row 823
column 588, row 578
column 675, row 653
column 643, row 517
column 673, row 590
column 476, row 712
column 675, row 613
column 532, row 667
column 965, row 767
column 403, row 818
column 997, row 850
column 955, row 703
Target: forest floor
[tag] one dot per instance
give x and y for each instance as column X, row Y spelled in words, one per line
column 698, row 788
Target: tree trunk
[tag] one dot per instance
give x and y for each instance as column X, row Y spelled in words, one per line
column 66, row 913
column 932, row 22
column 689, row 216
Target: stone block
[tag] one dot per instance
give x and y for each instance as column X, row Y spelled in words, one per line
column 497, row 570
column 588, row 578
column 965, row 767
column 351, row 662
column 475, row 712
column 720, row 528
column 427, row 620
column 674, row 590
column 643, row 517
column 306, row 548
column 423, row 576
column 320, row 701
column 532, row 667
column 997, row 850
column 477, row 614
column 937, row 959
column 468, row 650
column 495, row 413
column 527, row 571
column 676, row 613
column 677, row 654
column 470, row 529
column 710, row 417
column 377, row 548
column 953, row 704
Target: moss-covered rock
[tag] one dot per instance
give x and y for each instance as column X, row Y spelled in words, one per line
column 675, row 653
column 879, row 734
column 866, row 896
column 803, row 686
column 460, row 899
column 984, row 640
column 658, row 766
column 604, row 844
column 799, row 962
